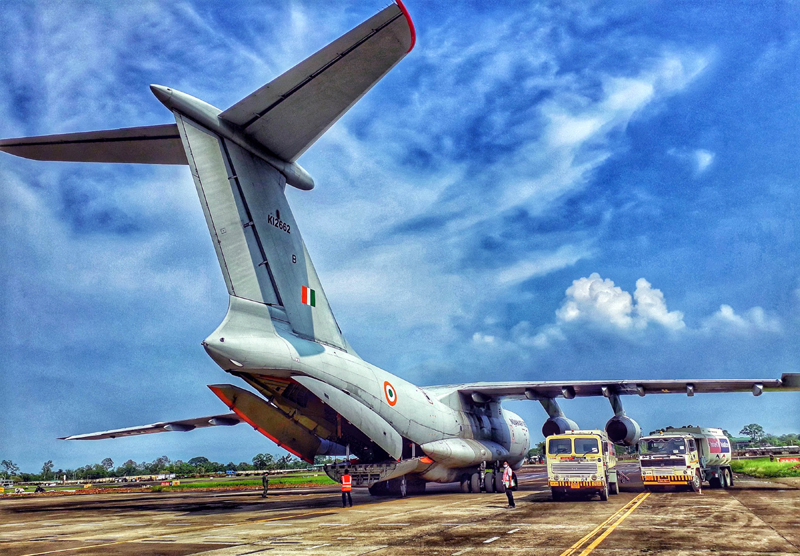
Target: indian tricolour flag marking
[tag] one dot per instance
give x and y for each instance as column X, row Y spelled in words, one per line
column 309, row 297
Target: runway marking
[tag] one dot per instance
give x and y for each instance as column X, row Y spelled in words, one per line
column 318, row 546
column 616, row 518
column 487, row 541
column 608, row 531
column 460, row 552
column 512, row 531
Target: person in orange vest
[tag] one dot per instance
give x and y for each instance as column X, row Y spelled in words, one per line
column 510, row 482
column 347, row 486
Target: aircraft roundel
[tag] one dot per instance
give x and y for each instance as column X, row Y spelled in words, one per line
column 390, row 393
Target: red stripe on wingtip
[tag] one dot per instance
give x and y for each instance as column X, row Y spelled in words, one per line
column 410, row 24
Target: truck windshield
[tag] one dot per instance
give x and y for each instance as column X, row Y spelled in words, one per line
column 653, row 446
column 559, row 446
column 587, row 446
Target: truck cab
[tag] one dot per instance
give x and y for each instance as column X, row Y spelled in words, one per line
column 581, row 462
column 685, row 457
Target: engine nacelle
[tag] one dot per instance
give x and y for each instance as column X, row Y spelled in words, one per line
column 623, row 431
column 558, row 425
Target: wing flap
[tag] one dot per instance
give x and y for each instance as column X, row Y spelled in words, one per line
column 583, row 388
column 288, row 114
column 185, row 425
column 158, row 144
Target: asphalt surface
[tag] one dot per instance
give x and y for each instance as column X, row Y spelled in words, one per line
column 754, row 517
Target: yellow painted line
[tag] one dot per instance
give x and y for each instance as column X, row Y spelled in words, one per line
column 635, row 502
column 607, row 532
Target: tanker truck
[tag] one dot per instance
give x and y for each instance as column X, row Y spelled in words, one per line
column 686, row 457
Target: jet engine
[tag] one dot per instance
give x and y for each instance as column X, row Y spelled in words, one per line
column 623, row 430
column 559, row 425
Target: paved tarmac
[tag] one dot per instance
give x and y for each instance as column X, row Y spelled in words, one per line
column 754, row 517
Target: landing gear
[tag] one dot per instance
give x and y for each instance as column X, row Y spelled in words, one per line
column 488, row 481
column 379, row 489
column 475, row 482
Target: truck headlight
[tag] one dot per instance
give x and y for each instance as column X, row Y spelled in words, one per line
column 594, row 477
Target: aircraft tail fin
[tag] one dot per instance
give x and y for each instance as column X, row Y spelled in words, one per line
column 259, row 247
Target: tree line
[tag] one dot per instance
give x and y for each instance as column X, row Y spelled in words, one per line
column 196, row 466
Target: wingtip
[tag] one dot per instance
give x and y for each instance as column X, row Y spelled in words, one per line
column 410, row 24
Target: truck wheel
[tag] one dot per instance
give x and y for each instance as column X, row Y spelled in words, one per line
column 714, row 482
column 402, row 486
column 465, row 483
column 488, row 481
column 730, row 477
column 695, row 484
column 498, row 483
column 558, row 496
column 475, row 482
column 723, row 479
column 604, row 493
column 613, row 488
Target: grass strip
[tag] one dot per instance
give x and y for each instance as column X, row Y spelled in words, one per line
column 765, row 469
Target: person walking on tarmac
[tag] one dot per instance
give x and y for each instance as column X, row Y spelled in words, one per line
column 347, row 486
column 265, row 483
column 510, row 482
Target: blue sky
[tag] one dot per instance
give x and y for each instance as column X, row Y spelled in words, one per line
column 538, row 191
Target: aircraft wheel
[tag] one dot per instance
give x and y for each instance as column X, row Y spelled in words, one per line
column 464, row 483
column 488, row 481
column 475, row 482
column 498, row 483
column 695, row 484
column 379, row 489
column 604, row 493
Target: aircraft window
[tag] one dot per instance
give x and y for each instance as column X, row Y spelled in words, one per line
column 587, row 446
column 559, row 446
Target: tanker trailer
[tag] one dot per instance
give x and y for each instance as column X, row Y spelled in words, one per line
column 685, row 456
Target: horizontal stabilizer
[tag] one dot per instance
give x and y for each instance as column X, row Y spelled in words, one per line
column 158, row 144
column 185, row 425
column 288, row 114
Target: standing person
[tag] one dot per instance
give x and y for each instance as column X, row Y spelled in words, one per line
column 510, row 482
column 347, row 486
column 265, row 483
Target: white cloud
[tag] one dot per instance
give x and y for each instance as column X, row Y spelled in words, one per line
column 596, row 300
column 698, row 160
column 650, row 306
column 754, row 320
column 539, row 264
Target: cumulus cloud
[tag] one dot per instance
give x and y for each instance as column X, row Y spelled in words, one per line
column 752, row 321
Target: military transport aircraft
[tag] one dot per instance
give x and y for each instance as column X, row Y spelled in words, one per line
column 311, row 392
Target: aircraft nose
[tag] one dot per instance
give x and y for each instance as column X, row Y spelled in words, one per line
column 162, row 93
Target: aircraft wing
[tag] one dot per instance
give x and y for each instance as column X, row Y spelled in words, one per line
column 226, row 420
column 288, row 114
column 157, row 144
column 580, row 388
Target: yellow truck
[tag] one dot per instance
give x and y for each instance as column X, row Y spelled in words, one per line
column 581, row 462
column 685, row 457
